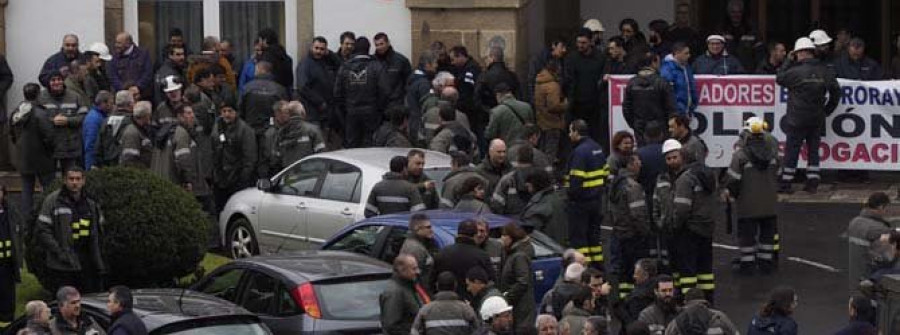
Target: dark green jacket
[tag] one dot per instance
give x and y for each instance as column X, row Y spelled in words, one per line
column 508, row 119
column 546, row 213
column 55, row 230
column 517, row 282
column 399, row 305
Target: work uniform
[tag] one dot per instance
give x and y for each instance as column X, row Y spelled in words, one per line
column 69, row 231
column 631, row 229
column 399, row 303
column 234, row 158
column 585, row 179
column 429, row 196
column 508, row 119
column 510, row 195
column 66, row 138
column 393, row 194
column 694, row 149
column 446, row 315
column 807, row 83
column 665, row 249
column 294, row 141
column 453, row 181
column 863, row 231
column 10, row 261
column 423, row 250
column 545, row 212
column 693, row 219
column 137, row 147
column 186, row 162
column 752, row 181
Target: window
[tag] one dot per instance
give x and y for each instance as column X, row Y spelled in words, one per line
column 286, row 304
column 357, row 300
column 393, row 244
column 223, row 285
column 360, row 240
column 341, row 182
column 156, row 17
column 259, row 294
column 302, row 178
column 240, row 21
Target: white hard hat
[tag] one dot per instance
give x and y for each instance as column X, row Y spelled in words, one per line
column 493, row 306
column 719, row 38
column 171, row 83
column 594, row 25
column 755, row 125
column 804, row 43
column 819, row 37
column 670, row 145
column 100, row 49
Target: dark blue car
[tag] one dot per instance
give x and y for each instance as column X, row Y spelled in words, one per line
column 382, row 237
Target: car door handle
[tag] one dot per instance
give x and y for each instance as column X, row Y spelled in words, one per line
column 301, row 206
column 347, row 211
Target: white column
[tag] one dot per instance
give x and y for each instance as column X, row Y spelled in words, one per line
column 130, row 18
column 290, row 30
column 211, row 18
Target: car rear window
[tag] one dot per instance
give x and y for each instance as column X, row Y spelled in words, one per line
column 236, row 326
column 350, row 300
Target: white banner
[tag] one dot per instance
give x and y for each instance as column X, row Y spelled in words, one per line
column 862, row 133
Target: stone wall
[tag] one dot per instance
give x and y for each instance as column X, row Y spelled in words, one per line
column 114, row 11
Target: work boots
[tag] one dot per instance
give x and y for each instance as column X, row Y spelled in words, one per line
column 812, row 185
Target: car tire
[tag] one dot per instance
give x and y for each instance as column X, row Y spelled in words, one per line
column 241, row 241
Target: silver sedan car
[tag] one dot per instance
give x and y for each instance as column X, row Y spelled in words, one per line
column 311, row 200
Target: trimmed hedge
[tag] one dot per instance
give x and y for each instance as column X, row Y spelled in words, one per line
column 155, row 232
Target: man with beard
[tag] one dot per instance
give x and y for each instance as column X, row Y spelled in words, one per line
column 345, row 48
column 67, row 112
column 460, row 170
column 753, row 181
column 174, row 65
column 420, row 244
column 59, row 62
column 315, row 83
column 164, row 115
column 415, row 173
column 396, row 69
column 584, row 70
column 664, row 309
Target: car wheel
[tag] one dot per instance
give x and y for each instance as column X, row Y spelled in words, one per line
column 241, row 239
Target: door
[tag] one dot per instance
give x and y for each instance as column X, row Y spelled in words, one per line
column 283, row 212
column 269, row 299
column 337, row 204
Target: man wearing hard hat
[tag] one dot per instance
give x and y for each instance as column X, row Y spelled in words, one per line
column 497, row 316
column 596, row 27
column 813, row 94
column 752, row 180
column 662, row 202
column 823, row 46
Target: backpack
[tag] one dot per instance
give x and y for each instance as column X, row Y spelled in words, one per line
column 109, row 140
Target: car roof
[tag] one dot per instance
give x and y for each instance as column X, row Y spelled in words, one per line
column 317, row 265
column 160, row 307
column 447, row 219
column 380, row 158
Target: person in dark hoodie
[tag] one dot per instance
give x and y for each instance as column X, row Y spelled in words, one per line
column 648, row 98
column 774, row 318
column 124, row 321
column 396, row 69
column 862, row 317
column 281, row 62
column 462, row 256
column 360, row 93
column 479, row 287
column 393, row 132
column 315, row 82
column 698, row 318
column 417, row 88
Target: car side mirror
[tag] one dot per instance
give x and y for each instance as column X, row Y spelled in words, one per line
column 264, row 185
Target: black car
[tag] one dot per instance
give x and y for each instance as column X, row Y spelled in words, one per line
column 305, row 292
column 172, row 311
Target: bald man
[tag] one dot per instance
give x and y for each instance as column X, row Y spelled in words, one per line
column 402, row 298
column 432, row 118
column 130, row 65
column 495, row 166
column 60, row 60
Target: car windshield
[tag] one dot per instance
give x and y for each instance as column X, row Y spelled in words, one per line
column 354, row 300
column 231, row 328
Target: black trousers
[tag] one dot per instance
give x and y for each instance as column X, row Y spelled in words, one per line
column 585, row 219
column 623, row 254
column 757, row 240
column 7, row 291
column 359, row 130
column 695, row 263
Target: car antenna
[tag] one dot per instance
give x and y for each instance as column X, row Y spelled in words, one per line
column 181, row 300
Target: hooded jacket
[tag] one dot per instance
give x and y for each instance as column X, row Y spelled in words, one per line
column 648, row 97
column 695, row 201
column 453, row 181
column 753, row 176
column 361, row 87
column 683, row 85
column 549, row 102
column 807, row 83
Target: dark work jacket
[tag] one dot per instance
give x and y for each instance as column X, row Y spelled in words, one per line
column 648, row 97
column 361, row 87
column 396, row 71
column 53, row 63
column 863, row 69
column 722, row 64
column 517, row 282
column 11, row 227
column 808, row 82
column 134, row 68
column 774, row 325
column 126, row 323
column 234, row 154
column 315, row 84
column 256, row 102
column 54, row 230
column 399, row 303
column 466, row 78
column 32, row 133
column 858, row 328
column 584, row 73
column 765, row 67
column 459, row 258
column 282, row 65
column 66, row 138
column 496, row 73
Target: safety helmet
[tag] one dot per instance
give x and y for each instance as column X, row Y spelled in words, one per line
column 819, row 37
column 804, row 43
column 493, row 306
column 594, row 25
column 670, row 145
column 171, row 83
column 101, row 50
column 755, row 125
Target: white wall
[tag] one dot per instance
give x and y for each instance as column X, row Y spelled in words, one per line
column 33, row 33
column 364, row 18
column 610, row 12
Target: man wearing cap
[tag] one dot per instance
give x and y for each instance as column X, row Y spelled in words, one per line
column 164, row 115
column 60, row 61
column 234, row 155
column 174, row 65
column 497, row 317
column 663, row 207
column 717, row 61
column 67, row 113
column 597, row 30
column 807, row 81
column 752, row 180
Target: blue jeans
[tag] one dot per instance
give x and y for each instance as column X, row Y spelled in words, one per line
column 27, row 195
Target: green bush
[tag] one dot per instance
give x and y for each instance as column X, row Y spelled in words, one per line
column 155, row 232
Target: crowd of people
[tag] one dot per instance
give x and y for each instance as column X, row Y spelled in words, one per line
column 539, row 150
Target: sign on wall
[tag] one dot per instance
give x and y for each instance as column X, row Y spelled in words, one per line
column 862, row 133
